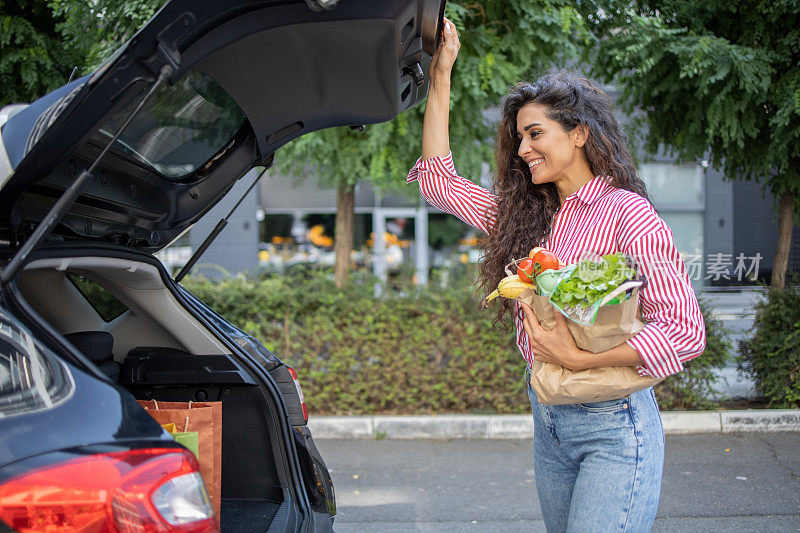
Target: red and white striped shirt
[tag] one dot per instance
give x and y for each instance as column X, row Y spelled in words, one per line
column 601, row 218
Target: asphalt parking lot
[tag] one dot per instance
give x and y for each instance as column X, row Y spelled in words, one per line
column 712, row 483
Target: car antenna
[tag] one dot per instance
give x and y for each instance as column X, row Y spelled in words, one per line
column 72, row 192
column 74, row 69
column 218, row 229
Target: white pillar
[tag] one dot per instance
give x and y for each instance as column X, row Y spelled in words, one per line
column 421, row 238
column 379, row 244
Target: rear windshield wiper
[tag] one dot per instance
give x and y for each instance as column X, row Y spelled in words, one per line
column 72, row 193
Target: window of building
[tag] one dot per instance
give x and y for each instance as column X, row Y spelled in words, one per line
column 677, row 192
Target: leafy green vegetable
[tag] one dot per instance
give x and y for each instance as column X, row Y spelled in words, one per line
column 591, row 281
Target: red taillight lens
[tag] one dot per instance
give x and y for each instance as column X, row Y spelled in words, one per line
column 299, row 392
column 135, row 491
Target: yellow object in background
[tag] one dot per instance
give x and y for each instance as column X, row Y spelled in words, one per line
column 390, row 239
column 317, row 236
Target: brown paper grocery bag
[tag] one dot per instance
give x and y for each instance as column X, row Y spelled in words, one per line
column 614, row 324
column 206, row 419
column 556, row 385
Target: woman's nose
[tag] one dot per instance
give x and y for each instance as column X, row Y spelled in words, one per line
column 523, row 148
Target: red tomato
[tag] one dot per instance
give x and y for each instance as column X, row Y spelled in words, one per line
column 525, row 270
column 544, row 260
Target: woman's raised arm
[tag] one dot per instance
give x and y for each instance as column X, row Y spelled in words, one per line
column 435, row 134
column 438, row 181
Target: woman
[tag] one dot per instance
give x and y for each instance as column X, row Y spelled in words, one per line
column 565, row 180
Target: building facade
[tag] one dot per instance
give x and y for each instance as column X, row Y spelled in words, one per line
column 726, row 231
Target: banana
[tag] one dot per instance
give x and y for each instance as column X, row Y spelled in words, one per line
column 509, row 287
column 535, row 251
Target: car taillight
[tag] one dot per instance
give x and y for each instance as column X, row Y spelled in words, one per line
column 135, row 491
column 299, row 392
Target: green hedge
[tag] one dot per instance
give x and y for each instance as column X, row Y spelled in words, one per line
column 772, row 355
column 405, row 351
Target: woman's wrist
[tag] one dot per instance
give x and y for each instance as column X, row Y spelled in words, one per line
column 621, row 355
column 579, row 359
column 439, row 84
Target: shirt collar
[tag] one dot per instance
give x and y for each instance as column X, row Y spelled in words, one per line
column 594, row 189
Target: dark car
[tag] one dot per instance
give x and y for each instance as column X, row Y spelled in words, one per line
column 101, row 174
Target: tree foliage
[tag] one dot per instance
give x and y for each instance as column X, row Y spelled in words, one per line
column 771, row 356
column 712, row 79
column 42, row 41
column 32, row 60
column 98, row 27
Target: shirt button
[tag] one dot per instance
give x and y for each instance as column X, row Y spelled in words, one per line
column 624, row 405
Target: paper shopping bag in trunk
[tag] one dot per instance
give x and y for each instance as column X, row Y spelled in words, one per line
column 187, row 439
column 204, row 418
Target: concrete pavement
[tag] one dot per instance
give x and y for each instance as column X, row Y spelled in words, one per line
column 718, row 482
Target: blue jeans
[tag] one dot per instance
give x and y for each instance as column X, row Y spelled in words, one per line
column 598, row 465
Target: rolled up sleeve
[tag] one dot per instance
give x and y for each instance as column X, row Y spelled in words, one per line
column 443, row 188
column 674, row 330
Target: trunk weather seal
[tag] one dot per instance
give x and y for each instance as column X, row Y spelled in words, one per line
column 267, row 379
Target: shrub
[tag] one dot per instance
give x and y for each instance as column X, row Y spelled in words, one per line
column 772, row 355
column 415, row 351
column 408, row 350
column 693, row 387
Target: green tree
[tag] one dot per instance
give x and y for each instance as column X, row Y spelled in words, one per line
column 42, row 41
column 98, row 27
column 713, row 79
column 503, row 41
column 32, row 60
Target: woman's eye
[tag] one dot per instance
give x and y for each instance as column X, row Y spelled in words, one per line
column 534, row 134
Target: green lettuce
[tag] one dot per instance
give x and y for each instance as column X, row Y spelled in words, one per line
column 591, row 281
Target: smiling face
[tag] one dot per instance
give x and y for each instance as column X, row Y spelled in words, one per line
column 552, row 154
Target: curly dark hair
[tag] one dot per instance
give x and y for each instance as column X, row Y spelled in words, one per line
column 526, row 211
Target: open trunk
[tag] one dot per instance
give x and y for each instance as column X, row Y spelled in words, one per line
column 163, row 349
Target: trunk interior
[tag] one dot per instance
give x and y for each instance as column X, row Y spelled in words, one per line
column 120, row 313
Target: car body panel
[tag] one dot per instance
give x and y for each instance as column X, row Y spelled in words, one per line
column 104, row 412
column 99, row 412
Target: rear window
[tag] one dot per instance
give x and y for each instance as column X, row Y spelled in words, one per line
column 106, row 305
column 181, row 127
column 31, row 377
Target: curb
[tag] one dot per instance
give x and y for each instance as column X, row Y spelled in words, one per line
column 521, row 426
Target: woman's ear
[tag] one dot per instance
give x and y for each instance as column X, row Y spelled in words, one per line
column 580, row 134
